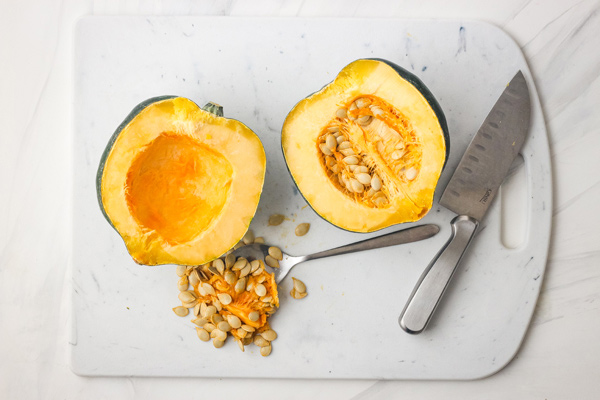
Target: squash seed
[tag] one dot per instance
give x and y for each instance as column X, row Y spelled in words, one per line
column 213, row 270
column 411, row 173
column 259, row 239
column 218, row 334
column 181, row 311
column 203, row 334
column 254, row 264
column 210, row 310
column 364, row 120
column 348, row 152
column 331, row 142
column 333, row 129
column 265, row 351
column 258, row 271
column 191, row 304
column 260, row 341
column 260, row 290
column 246, row 270
column 357, row 186
column 239, row 264
column 299, row 286
column 180, row 270
column 218, row 343
column 254, row 316
column 376, row 110
column 218, row 305
column 341, row 113
column 397, row 154
column 297, row 295
column 376, row 182
column 194, row 278
column 248, row 328
column 271, row 262
column 351, row 160
column 276, row 253
column 187, row 296
column 199, row 321
column 229, row 260
column 241, row 333
column 238, row 245
column 240, row 285
column 340, row 139
column 216, row 318
column 209, row 327
column 240, row 345
column 362, row 102
column 224, row 298
column 230, row 277
column 344, row 145
column 219, row 265
column 197, row 309
column 363, row 178
column 234, row 321
column 183, row 284
column 248, row 237
column 302, row 229
column 203, row 307
column 247, row 340
column 276, row 219
column 208, row 288
column 249, row 287
column 269, row 335
column 224, row 326
column 267, row 299
column 261, row 279
column 361, row 169
column 325, row 150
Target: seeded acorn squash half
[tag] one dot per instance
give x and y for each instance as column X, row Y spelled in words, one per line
column 180, row 184
column 367, row 150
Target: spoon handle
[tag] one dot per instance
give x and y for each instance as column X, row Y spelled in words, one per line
column 390, row 239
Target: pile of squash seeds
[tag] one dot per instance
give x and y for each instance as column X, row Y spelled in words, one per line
column 234, row 297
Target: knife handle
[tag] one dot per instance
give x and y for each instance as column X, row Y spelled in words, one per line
column 434, row 281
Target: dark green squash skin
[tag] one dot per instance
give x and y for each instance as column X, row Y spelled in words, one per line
column 112, row 141
column 420, row 86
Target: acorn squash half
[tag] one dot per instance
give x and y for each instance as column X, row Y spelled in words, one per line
column 180, row 184
column 367, row 150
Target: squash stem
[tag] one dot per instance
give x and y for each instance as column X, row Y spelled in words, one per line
column 213, row 108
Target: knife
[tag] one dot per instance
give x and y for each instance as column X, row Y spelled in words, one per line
column 469, row 194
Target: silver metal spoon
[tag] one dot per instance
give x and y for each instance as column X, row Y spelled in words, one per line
column 260, row 251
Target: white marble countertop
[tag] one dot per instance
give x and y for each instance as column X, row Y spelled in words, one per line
column 559, row 358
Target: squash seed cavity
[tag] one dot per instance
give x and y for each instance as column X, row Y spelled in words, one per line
column 376, row 151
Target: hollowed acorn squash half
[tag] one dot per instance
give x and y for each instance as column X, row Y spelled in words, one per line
column 367, row 150
column 180, row 184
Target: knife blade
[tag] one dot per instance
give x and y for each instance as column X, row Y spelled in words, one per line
column 469, row 193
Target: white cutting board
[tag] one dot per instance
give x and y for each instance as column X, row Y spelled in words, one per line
column 347, row 326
